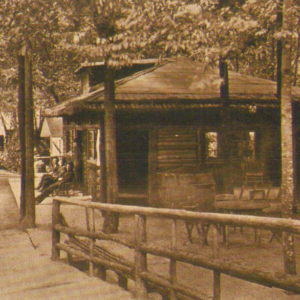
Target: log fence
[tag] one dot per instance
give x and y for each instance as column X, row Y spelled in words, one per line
column 145, row 281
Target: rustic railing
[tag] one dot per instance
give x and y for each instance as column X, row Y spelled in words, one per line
column 145, row 280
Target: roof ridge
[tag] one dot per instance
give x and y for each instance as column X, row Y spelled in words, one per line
column 100, row 90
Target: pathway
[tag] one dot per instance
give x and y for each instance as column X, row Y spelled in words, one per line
column 26, row 270
column 9, row 213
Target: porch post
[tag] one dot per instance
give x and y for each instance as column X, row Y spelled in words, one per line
column 111, row 174
column 225, row 140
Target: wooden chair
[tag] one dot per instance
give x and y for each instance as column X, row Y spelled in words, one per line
column 254, row 174
column 64, row 189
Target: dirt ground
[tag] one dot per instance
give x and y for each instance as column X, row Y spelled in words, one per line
column 242, row 249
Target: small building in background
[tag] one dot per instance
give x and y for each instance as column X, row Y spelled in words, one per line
column 6, row 127
column 52, row 135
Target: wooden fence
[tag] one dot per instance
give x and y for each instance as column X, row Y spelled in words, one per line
column 145, row 280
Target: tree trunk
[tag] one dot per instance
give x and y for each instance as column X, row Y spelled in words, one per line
column 287, row 181
column 21, row 117
column 26, row 139
column 111, row 221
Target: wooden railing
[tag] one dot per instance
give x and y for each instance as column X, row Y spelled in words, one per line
column 145, row 280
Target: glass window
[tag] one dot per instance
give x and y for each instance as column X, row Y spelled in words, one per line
column 92, row 144
column 211, row 144
column 251, row 144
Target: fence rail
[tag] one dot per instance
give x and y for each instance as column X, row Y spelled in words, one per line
column 169, row 286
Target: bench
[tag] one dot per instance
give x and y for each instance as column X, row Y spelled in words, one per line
column 263, row 200
column 67, row 189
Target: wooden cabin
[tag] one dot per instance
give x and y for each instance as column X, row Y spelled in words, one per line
column 178, row 141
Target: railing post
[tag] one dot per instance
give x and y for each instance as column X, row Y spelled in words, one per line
column 173, row 266
column 91, row 227
column 123, row 282
column 101, row 269
column 215, row 243
column 289, row 258
column 217, row 286
column 140, row 257
column 55, row 233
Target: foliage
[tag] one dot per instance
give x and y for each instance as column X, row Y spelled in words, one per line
column 10, row 158
column 42, row 26
column 259, row 57
column 63, row 33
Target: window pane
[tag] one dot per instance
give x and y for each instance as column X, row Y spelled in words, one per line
column 212, row 144
column 252, row 144
column 92, row 144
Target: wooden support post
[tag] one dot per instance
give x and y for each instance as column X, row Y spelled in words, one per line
column 122, row 281
column 257, row 236
column 217, row 286
column 69, row 259
column 225, row 229
column 102, row 272
column 289, row 259
column 215, row 241
column 111, row 220
column 173, row 266
column 55, row 233
column 140, row 257
column 91, row 227
column 152, row 169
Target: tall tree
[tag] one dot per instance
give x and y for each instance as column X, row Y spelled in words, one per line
column 287, row 149
column 27, row 205
column 36, row 24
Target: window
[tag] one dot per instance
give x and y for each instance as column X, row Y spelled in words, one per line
column 92, row 144
column 2, row 142
column 247, row 145
column 211, row 139
column 251, row 144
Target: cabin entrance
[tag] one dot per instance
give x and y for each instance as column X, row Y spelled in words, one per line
column 132, row 153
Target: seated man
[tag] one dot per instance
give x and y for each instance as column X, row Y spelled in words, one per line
column 66, row 176
column 51, row 176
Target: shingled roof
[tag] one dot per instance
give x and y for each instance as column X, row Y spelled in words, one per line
column 177, row 84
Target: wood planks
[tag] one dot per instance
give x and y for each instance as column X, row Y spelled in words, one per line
column 176, row 147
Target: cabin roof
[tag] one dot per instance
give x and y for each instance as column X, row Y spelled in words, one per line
column 52, row 127
column 100, row 64
column 177, row 84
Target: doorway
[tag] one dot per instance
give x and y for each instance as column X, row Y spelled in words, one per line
column 132, row 154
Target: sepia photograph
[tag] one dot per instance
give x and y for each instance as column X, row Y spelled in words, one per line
column 149, row 149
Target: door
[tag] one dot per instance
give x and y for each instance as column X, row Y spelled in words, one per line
column 132, row 153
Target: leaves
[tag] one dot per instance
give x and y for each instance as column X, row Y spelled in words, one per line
column 64, row 33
